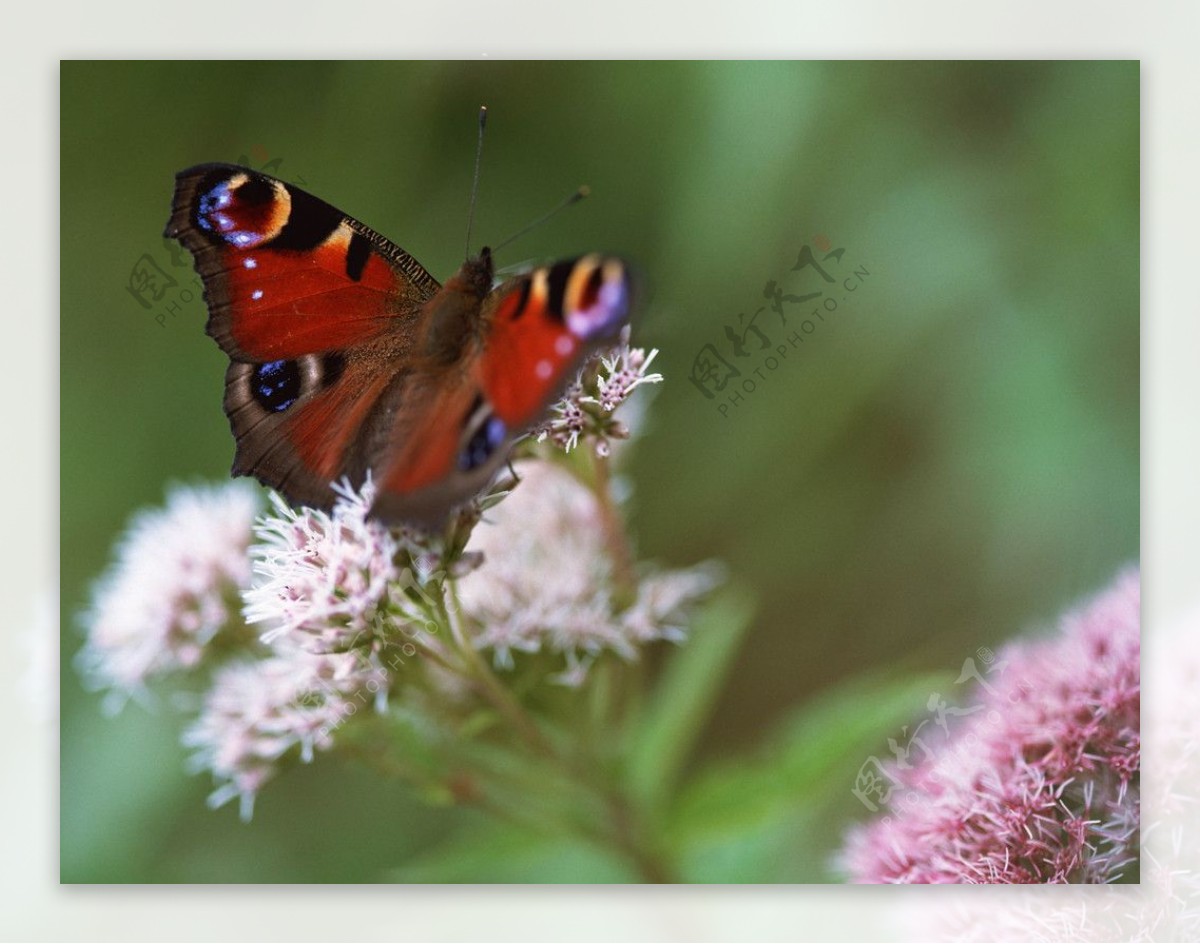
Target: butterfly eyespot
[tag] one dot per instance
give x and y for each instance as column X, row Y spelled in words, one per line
column 332, row 365
column 487, row 438
column 276, row 385
column 596, row 297
column 591, row 290
column 242, row 210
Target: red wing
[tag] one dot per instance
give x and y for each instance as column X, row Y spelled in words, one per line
column 299, row 423
column 541, row 328
column 463, row 421
column 445, row 446
column 286, row 274
column 316, row 312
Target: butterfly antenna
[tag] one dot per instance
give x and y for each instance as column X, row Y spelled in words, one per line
column 573, row 198
column 475, row 179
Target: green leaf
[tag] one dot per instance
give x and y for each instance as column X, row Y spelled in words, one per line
column 779, row 815
column 483, row 851
column 685, row 695
column 118, row 837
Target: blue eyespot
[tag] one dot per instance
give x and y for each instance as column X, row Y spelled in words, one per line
column 211, row 215
column 211, row 205
column 487, row 438
column 275, row 385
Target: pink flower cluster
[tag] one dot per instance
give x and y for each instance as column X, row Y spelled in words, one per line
column 329, row 581
column 586, row 409
column 1041, row 785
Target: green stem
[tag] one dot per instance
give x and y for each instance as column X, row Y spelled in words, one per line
column 486, row 681
column 627, row 835
column 433, row 650
column 615, row 537
column 622, row 829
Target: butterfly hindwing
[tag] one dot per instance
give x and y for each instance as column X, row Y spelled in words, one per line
column 301, row 424
column 441, row 454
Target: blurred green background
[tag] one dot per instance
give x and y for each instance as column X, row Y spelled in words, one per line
column 948, row 459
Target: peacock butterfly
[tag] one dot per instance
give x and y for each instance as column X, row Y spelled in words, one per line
column 347, row 358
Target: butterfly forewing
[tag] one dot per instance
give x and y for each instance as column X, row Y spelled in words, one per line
column 286, row 274
column 541, row 328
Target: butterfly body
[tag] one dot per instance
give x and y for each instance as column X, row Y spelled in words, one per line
column 348, row 359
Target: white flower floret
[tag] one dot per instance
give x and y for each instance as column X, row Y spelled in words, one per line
column 171, row 589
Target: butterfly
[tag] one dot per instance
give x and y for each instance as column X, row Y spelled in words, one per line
column 348, row 359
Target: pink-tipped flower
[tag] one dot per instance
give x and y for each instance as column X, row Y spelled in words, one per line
column 586, row 409
column 1165, row 906
column 1035, row 783
column 259, row 714
column 546, row 583
column 331, row 581
column 171, row 589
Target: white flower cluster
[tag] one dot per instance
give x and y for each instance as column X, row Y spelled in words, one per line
column 331, row 581
column 547, row 580
column 331, row 591
column 258, row 711
column 173, row 587
column 345, row 606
